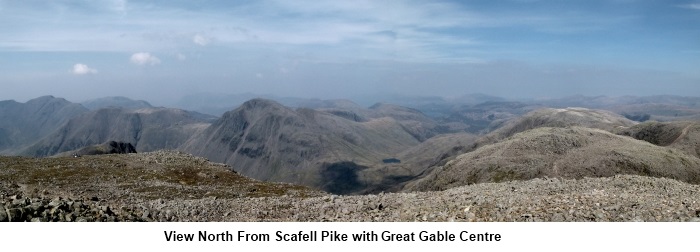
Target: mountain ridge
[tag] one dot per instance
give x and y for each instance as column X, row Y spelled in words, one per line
column 22, row 124
column 571, row 153
column 148, row 130
column 115, row 101
column 339, row 146
column 296, row 144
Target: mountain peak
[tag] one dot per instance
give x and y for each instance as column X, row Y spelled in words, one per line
column 260, row 103
column 46, row 99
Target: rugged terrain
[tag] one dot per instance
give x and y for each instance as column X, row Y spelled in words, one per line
column 172, row 186
column 343, row 150
column 552, row 164
column 147, row 129
column 339, row 146
column 109, row 147
column 22, row 124
column 681, row 135
column 552, row 117
column 124, row 183
column 572, row 152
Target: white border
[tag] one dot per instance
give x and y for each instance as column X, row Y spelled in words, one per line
column 514, row 236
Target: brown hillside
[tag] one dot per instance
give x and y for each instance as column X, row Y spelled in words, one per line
column 573, row 152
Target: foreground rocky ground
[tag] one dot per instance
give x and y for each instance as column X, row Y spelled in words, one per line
column 171, row 186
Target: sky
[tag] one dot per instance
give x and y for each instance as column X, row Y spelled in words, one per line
column 163, row 50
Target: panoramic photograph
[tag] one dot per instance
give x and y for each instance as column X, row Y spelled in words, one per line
column 350, row 111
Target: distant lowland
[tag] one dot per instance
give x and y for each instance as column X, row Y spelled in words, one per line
column 257, row 158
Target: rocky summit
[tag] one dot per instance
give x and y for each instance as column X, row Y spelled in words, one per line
column 173, row 186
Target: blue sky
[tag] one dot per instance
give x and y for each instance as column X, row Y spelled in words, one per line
column 162, row 50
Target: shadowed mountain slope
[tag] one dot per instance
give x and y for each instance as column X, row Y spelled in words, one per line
column 419, row 160
column 343, row 148
column 22, row 124
column 684, row 136
column 573, row 152
column 146, row 129
column 265, row 140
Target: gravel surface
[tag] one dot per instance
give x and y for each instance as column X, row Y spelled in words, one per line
column 620, row 198
column 171, row 186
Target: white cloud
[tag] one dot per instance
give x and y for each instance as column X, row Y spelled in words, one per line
column 82, row 69
column 363, row 29
column 181, row 57
column 144, row 58
column 201, row 40
column 694, row 6
column 361, row 26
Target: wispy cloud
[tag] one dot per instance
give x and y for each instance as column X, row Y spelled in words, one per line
column 363, row 26
column 82, row 69
column 405, row 30
column 144, row 58
column 693, row 6
column 201, row 40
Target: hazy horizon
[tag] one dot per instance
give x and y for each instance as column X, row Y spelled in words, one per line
column 163, row 50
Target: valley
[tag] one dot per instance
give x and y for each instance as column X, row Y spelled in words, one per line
column 480, row 158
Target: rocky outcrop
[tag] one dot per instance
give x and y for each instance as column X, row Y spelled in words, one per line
column 21, row 209
column 110, row 147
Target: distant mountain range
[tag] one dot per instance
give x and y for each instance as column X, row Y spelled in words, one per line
column 22, row 124
column 569, row 143
column 421, row 143
column 146, row 129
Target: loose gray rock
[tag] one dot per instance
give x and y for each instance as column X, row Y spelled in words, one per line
column 185, row 196
column 3, row 214
column 15, row 214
